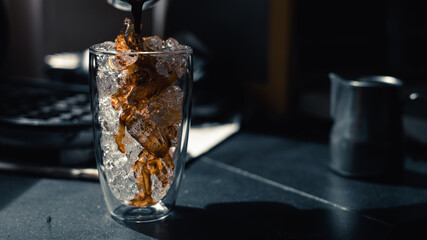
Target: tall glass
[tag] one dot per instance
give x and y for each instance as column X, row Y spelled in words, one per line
column 141, row 114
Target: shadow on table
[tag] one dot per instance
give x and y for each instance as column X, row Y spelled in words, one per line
column 260, row 220
column 12, row 186
column 415, row 179
column 408, row 178
column 408, row 222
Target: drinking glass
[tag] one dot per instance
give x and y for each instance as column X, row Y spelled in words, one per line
column 140, row 103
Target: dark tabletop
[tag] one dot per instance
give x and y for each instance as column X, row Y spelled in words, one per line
column 253, row 186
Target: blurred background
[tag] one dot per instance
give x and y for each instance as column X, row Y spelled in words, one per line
column 266, row 61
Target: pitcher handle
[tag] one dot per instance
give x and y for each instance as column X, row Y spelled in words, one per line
column 335, row 80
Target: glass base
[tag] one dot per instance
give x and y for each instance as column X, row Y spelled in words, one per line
column 143, row 214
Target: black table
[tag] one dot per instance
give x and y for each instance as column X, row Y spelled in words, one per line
column 253, row 186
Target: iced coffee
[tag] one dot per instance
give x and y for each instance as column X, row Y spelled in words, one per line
column 140, row 100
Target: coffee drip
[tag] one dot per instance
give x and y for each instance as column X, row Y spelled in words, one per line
column 136, row 7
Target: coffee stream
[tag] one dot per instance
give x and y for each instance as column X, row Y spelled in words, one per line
column 137, row 13
column 150, row 108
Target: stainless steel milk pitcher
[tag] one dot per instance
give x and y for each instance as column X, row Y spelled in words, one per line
column 366, row 139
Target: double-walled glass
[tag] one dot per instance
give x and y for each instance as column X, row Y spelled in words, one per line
column 141, row 108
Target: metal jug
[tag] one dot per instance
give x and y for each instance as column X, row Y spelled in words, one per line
column 125, row 6
column 366, row 139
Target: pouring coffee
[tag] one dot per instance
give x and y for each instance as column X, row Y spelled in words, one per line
column 136, row 6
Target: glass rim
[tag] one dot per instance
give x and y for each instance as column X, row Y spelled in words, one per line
column 186, row 50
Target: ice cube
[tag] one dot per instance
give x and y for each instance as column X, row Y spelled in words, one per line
column 179, row 65
column 171, row 44
column 163, row 67
column 118, row 168
column 158, row 191
column 169, row 65
column 120, row 178
column 133, row 149
column 106, row 46
column 122, row 60
column 150, row 136
column 106, row 83
column 166, row 109
column 152, row 44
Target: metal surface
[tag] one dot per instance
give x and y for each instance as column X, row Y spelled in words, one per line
column 44, row 114
column 55, row 172
column 124, row 6
column 367, row 134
